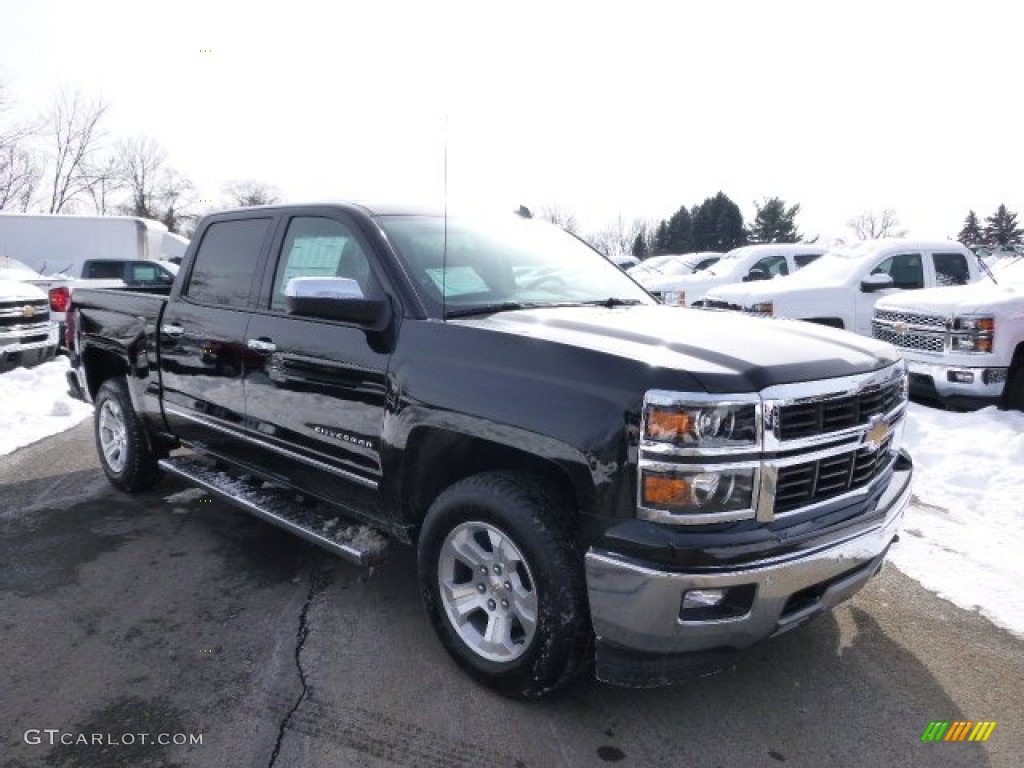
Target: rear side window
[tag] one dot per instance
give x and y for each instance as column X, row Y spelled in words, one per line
column 104, row 270
column 803, row 259
column 226, row 261
column 951, row 269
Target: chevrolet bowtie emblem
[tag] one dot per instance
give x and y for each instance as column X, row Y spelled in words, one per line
column 28, row 311
column 877, row 433
column 900, row 328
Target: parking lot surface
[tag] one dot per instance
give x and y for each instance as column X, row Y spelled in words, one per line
column 173, row 616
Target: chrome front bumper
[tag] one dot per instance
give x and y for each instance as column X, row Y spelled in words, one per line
column 638, row 609
column 986, row 383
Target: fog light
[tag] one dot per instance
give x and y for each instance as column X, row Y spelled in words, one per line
column 717, row 604
column 994, row 376
column 703, row 598
column 960, row 377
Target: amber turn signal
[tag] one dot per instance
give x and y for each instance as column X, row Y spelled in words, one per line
column 668, row 425
column 666, row 490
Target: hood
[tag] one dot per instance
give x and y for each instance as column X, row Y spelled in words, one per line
column 984, row 297
column 11, row 290
column 746, row 294
column 722, row 351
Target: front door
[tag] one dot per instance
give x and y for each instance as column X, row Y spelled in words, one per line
column 316, row 392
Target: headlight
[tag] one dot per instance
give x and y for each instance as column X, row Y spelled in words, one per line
column 977, row 324
column 702, row 425
column 762, row 308
column 675, row 298
column 698, row 492
column 972, row 334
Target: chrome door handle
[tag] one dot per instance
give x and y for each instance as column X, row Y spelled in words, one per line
column 261, row 345
column 172, row 330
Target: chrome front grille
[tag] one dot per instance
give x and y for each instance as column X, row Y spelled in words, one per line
column 810, row 482
column 24, row 315
column 923, row 342
column 911, row 318
column 819, row 417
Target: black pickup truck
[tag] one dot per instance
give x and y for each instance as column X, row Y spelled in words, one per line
column 587, row 476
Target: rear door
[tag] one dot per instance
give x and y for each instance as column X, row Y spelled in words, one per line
column 203, row 356
column 316, row 389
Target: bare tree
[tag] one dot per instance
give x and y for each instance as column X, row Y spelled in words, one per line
column 155, row 190
column 105, row 180
column 563, row 217
column 873, row 225
column 73, row 128
column 19, row 177
column 19, row 169
column 247, row 193
column 617, row 238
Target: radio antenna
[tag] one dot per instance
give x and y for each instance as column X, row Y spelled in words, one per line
column 444, row 235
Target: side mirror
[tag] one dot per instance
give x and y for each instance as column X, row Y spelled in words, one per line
column 756, row 274
column 335, row 298
column 878, row 281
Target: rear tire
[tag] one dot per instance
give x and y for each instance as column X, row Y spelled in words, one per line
column 127, row 458
column 503, row 584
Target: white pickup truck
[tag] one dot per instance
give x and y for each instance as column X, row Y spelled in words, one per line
column 840, row 289
column 964, row 346
column 27, row 337
column 751, row 262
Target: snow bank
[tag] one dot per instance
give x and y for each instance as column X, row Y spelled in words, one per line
column 34, row 404
column 963, row 535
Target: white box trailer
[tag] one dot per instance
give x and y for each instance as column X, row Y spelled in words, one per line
column 56, row 244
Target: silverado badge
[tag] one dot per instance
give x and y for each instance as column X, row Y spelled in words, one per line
column 876, row 434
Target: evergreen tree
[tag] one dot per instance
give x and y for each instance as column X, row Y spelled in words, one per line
column 717, row 225
column 660, row 239
column 1001, row 229
column 971, row 235
column 774, row 223
column 680, row 232
column 640, row 249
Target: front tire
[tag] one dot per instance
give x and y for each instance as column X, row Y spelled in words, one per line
column 127, row 458
column 502, row 581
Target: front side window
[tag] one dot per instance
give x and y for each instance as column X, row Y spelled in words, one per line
column 905, row 270
column 773, row 266
column 320, row 247
column 803, row 259
column 226, row 261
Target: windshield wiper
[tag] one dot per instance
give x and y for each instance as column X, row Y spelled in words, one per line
column 611, row 302
column 486, row 309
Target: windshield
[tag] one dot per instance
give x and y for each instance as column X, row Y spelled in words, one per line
column 465, row 266
column 836, row 266
column 12, row 269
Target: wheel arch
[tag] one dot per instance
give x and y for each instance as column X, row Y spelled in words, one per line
column 436, row 459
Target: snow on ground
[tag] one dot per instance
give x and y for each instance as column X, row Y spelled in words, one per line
column 963, row 535
column 34, row 404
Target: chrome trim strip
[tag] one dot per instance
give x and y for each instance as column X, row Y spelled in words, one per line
column 372, row 484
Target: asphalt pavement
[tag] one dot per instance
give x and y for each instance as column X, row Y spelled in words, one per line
column 168, row 629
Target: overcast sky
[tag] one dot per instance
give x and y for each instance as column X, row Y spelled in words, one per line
column 602, row 108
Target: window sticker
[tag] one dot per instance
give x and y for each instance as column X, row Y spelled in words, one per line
column 314, row 257
column 458, row 281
